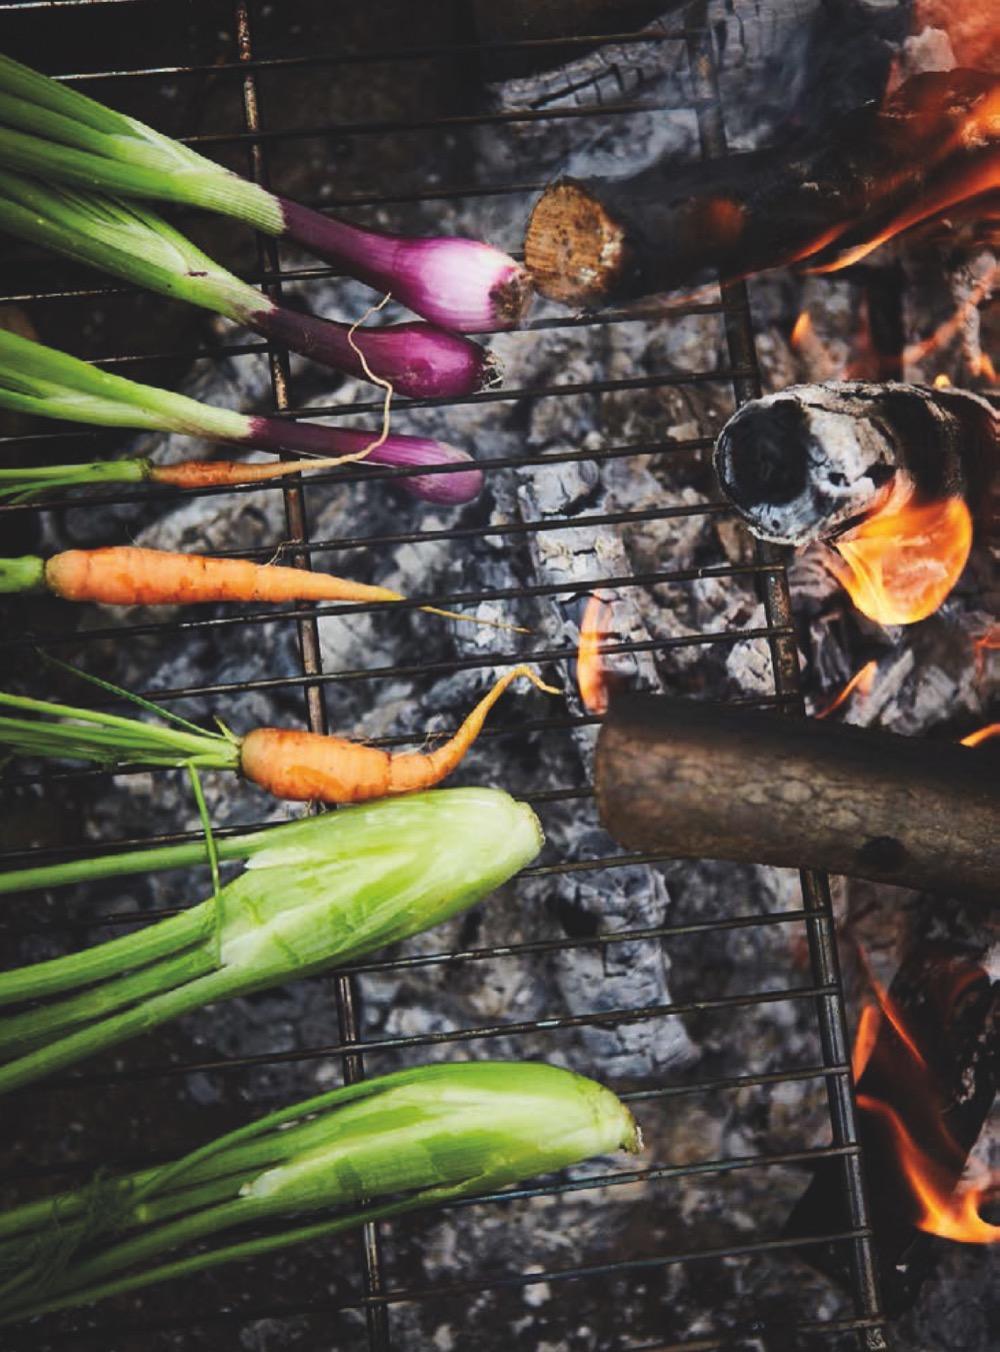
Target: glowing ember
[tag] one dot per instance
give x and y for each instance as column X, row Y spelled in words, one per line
column 595, row 628
column 981, row 734
column 953, row 327
column 986, row 643
column 944, row 1212
column 900, row 564
column 862, row 681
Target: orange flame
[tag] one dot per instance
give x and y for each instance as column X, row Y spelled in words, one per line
column 862, row 681
column 954, row 185
column 942, row 1208
column 950, row 1214
column 864, row 1039
column 590, row 674
column 942, row 382
column 900, row 564
column 981, row 735
column 802, row 329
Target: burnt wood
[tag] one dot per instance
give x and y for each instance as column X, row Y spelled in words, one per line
column 593, row 241
column 951, row 1012
column 811, row 461
column 698, row 780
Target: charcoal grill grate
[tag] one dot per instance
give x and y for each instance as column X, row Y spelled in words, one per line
column 824, row 988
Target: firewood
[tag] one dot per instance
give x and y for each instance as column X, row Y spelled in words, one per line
column 934, row 145
column 804, row 464
column 697, row 780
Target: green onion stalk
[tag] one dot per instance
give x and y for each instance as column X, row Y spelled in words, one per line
column 127, row 240
column 313, row 894
column 420, row 1137
column 42, row 380
column 54, row 132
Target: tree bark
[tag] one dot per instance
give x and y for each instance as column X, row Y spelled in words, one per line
column 695, row 780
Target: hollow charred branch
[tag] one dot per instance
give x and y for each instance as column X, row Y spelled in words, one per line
column 811, row 461
column 951, row 1014
column 934, row 145
column 697, row 780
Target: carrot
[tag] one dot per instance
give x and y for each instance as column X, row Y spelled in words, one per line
column 222, row 473
column 128, row 576
column 312, row 767
column 125, row 575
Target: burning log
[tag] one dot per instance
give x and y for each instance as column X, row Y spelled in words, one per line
column 926, row 1070
column 805, row 464
column 830, row 197
column 697, row 780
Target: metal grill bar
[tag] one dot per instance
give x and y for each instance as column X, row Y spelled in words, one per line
column 785, row 663
column 822, row 991
column 344, row 987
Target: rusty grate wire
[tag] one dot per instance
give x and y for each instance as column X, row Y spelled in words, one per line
column 378, row 1294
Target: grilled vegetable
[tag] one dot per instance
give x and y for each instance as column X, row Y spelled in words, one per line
column 129, row 241
column 126, row 575
column 314, row 894
column 56, row 133
column 42, row 380
column 286, row 762
column 415, row 1138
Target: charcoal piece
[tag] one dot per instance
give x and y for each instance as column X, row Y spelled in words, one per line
column 808, row 462
column 951, row 1012
column 698, row 780
column 932, row 146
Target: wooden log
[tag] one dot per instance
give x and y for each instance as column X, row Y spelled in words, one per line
column 934, row 145
column 698, row 780
column 808, row 462
column 950, row 1012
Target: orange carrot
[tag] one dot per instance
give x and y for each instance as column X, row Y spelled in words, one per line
column 126, row 575
column 129, row 576
column 308, row 766
column 222, row 473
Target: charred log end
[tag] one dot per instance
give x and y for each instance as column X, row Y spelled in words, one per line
column 575, row 252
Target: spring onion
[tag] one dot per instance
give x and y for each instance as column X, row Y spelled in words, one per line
column 286, row 762
column 314, row 894
column 42, row 380
column 130, row 241
column 54, row 132
column 416, row 1138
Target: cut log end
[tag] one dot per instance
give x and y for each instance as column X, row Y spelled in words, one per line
column 576, row 253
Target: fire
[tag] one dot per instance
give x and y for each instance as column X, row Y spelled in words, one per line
column 940, row 1207
column 951, row 187
column 900, row 564
column 802, row 329
column 981, row 734
column 592, row 679
column 862, row 681
column 864, row 1039
column 944, row 1212
column 942, row 382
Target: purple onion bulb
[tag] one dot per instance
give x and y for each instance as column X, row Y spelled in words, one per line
column 418, row 360
column 450, row 490
column 461, row 284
